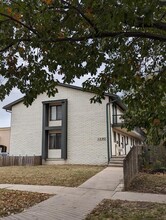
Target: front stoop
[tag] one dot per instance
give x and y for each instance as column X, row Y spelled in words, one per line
column 54, row 161
column 116, row 161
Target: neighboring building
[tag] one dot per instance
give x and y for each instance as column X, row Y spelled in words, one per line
column 4, row 140
column 68, row 129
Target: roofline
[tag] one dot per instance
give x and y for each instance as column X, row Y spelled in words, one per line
column 117, row 99
column 9, row 106
column 5, row 128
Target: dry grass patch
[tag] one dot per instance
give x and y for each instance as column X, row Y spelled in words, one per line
column 149, row 183
column 124, row 210
column 12, row 202
column 55, row 175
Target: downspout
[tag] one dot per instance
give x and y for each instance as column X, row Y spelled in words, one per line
column 109, row 129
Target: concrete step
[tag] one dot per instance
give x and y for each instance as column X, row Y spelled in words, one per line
column 116, row 161
column 52, row 161
column 115, row 165
column 118, row 157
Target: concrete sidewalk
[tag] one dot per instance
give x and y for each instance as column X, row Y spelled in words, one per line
column 76, row 203
column 108, row 179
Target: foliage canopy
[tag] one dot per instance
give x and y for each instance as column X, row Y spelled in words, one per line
column 120, row 43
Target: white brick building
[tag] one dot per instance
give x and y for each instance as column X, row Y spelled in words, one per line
column 66, row 128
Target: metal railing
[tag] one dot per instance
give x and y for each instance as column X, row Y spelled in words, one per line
column 117, row 119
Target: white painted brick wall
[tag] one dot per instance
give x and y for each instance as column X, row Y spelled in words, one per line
column 86, row 123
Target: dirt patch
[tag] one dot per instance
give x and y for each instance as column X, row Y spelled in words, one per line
column 12, row 202
column 149, row 183
column 124, row 210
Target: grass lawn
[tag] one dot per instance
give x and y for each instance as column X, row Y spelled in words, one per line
column 12, row 202
column 149, row 183
column 56, row 175
column 123, row 210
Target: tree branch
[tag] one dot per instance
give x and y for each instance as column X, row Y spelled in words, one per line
column 111, row 35
column 7, row 47
column 19, row 22
column 83, row 15
column 95, row 36
column 156, row 24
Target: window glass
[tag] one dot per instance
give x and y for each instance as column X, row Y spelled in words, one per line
column 55, row 141
column 58, row 141
column 52, row 113
column 127, row 140
column 114, row 136
column 114, row 114
column 55, row 112
column 119, row 139
column 58, row 112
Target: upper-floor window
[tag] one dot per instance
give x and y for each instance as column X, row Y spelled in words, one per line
column 114, row 108
column 55, row 112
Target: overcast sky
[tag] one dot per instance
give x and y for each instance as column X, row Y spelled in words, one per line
column 15, row 94
column 5, row 116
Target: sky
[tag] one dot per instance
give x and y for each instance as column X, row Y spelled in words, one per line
column 5, row 117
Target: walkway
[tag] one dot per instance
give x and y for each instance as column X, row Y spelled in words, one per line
column 76, row 203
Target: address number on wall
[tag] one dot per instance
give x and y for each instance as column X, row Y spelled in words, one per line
column 101, row 139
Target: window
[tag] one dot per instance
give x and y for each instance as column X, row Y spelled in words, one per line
column 114, row 136
column 131, row 141
column 119, row 139
column 55, row 141
column 114, row 113
column 55, row 112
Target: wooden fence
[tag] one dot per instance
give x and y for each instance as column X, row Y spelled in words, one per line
column 20, row 160
column 131, row 165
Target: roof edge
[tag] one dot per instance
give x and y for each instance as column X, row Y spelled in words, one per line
column 117, row 99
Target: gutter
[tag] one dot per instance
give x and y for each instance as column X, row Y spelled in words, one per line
column 108, row 139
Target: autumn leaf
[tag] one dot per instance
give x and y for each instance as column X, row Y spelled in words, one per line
column 48, row 2
column 17, row 16
column 156, row 121
column 9, row 11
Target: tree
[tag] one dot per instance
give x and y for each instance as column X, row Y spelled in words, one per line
column 121, row 43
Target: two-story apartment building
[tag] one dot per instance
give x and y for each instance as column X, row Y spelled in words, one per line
column 67, row 128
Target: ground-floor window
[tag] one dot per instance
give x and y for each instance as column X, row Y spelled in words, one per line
column 119, row 139
column 54, row 140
